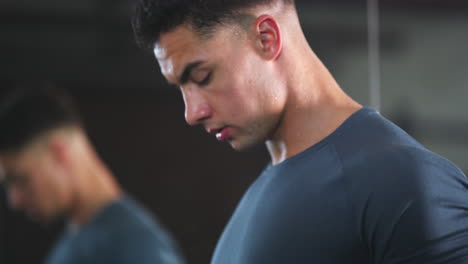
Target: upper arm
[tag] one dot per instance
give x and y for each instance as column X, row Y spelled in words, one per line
column 416, row 211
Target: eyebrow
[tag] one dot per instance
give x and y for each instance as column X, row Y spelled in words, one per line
column 188, row 70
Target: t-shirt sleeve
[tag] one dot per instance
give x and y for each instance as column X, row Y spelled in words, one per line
column 415, row 210
column 149, row 251
column 140, row 246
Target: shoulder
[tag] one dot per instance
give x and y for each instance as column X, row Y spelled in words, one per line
column 400, row 180
column 129, row 233
column 128, row 219
column 411, row 202
column 400, row 172
column 400, row 164
column 406, row 198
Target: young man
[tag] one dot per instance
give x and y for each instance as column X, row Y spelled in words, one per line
column 344, row 185
column 51, row 170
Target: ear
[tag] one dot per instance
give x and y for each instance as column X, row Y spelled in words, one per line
column 58, row 149
column 268, row 37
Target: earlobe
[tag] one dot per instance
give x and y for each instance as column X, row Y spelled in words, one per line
column 269, row 35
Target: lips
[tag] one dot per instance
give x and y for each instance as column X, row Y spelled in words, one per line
column 221, row 134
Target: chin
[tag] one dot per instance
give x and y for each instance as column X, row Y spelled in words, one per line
column 243, row 146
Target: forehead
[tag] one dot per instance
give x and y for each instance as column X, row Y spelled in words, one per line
column 182, row 37
column 183, row 45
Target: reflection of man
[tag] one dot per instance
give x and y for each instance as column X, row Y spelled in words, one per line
column 52, row 170
column 345, row 185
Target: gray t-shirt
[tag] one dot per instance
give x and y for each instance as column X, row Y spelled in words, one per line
column 121, row 233
column 368, row 193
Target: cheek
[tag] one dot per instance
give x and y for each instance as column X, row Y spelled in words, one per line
column 40, row 187
column 242, row 89
column 45, row 190
column 34, row 193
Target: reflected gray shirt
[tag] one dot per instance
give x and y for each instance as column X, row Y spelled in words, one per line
column 121, row 233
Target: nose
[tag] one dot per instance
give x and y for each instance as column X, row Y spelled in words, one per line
column 196, row 108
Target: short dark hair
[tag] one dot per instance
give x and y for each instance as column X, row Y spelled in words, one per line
column 27, row 112
column 154, row 17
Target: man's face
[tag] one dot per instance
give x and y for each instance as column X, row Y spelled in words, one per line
column 226, row 85
column 34, row 184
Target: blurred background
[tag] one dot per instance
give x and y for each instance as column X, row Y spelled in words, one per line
column 183, row 175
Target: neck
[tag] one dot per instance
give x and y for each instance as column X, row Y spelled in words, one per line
column 88, row 203
column 316, row 105
column 96, row 187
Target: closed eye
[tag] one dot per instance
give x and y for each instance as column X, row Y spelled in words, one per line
column 206, row 80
